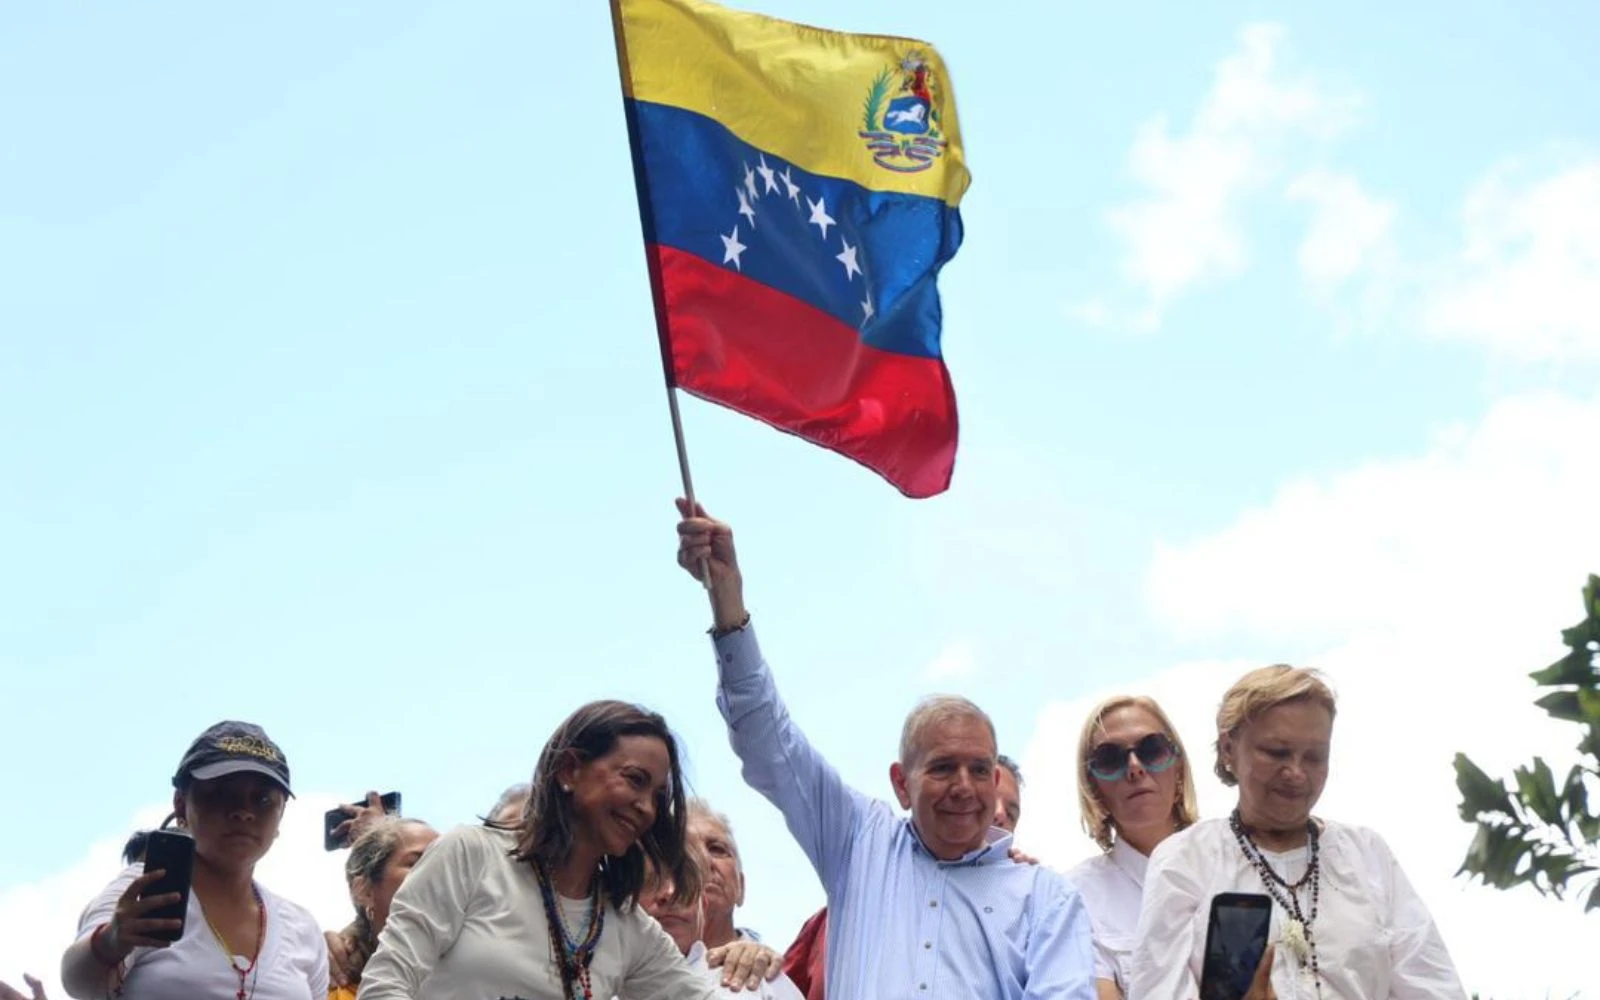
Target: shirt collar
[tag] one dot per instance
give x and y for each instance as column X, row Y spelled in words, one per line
column 697, row 954
column 1127, row 857
column 996, row 843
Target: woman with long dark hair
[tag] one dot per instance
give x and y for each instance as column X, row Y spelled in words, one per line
column 549, row 909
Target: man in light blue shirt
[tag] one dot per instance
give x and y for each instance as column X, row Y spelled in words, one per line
column 922, row 906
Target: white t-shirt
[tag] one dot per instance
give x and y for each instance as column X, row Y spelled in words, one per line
column 293, row 964
column 1374, row 937
column 468, row 923
column 1112, row 885
column 781, row 988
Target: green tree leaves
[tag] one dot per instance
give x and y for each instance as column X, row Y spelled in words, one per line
column 1538, row 832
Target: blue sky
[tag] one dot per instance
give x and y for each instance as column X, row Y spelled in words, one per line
column 333, row 403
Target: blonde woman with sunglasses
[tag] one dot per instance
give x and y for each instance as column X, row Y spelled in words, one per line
column 1134, row 790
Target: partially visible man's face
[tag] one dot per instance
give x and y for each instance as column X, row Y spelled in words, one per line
column 724, row 883
column 681, row 921
column 1008, row 801
column 950, row 786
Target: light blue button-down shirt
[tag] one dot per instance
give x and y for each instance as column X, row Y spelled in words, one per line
column 903, row 925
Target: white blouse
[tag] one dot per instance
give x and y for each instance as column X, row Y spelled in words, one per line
column 469, row 923
column 1112, row 885
column 1374, row 937
column 292, row 964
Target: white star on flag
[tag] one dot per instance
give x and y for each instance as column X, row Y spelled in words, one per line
column 819, row 215
column 848, row 259
column 779, row 176
column 732, row 248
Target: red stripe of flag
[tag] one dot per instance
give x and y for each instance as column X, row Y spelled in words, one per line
column 770, row 356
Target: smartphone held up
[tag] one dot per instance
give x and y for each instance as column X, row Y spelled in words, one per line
column 1236, row 941
column 170, row 852
column 337, row 822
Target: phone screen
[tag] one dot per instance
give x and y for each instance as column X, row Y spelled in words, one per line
column 172, row 853
column 1236, row 939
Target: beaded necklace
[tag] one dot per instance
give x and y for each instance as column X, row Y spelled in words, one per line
column 572, row 957
column 1299, row 934
column 244, row 970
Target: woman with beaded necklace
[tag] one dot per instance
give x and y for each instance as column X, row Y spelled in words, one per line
column 549, row 909
column 1346, row 925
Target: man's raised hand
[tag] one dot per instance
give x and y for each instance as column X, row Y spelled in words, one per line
column 705, row 551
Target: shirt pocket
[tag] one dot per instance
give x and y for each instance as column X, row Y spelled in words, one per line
column 1114, row 952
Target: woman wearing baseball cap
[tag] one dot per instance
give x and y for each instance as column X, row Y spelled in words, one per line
column 238, row 938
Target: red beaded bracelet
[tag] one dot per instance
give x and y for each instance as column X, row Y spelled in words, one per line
column 94, row 946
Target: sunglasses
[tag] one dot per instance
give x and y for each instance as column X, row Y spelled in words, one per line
column 1109, row 761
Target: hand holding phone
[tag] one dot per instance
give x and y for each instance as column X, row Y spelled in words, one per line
column 172, row 854
column 1238, row 962
column 131, row 927
column 342, row 824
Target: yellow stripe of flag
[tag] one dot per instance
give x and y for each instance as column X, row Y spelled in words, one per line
column 832, row 103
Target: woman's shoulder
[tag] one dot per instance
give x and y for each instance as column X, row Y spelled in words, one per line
column 475, row 841
column 1201, row 838
column 479, row 833
column 1097, row 879
column 292, row 915
column 1360, row 841
column 1185, row 856
column 1093, row 866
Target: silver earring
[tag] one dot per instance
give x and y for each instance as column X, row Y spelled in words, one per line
column 566, row 788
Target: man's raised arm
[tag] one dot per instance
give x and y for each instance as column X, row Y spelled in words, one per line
column 821, row 810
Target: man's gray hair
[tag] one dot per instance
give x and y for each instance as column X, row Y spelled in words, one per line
column 701, row 809
column 516, row 795
column 931, row 711
column 1013, row 767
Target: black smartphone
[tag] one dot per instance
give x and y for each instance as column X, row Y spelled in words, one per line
column 1236, row 939
column 333, row 817
column 173, row 853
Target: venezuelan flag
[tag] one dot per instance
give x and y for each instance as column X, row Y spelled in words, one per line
column 799, row 191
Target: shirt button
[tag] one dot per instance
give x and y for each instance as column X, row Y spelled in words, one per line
column 922, row 986
column 988, row 909
column 933, row 902
column 927, row 944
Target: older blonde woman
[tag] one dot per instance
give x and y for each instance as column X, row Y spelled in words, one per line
column 1134, row 791
column 1346, row 925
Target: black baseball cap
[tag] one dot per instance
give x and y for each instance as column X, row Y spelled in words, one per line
column 229, row 748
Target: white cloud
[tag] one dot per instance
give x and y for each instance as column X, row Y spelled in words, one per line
column 1513, row 495
column 1527, row 279
column 956, row 661
column 39, row 919
column 1427, row 588
column 1349, row 231
column 1187, row 229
